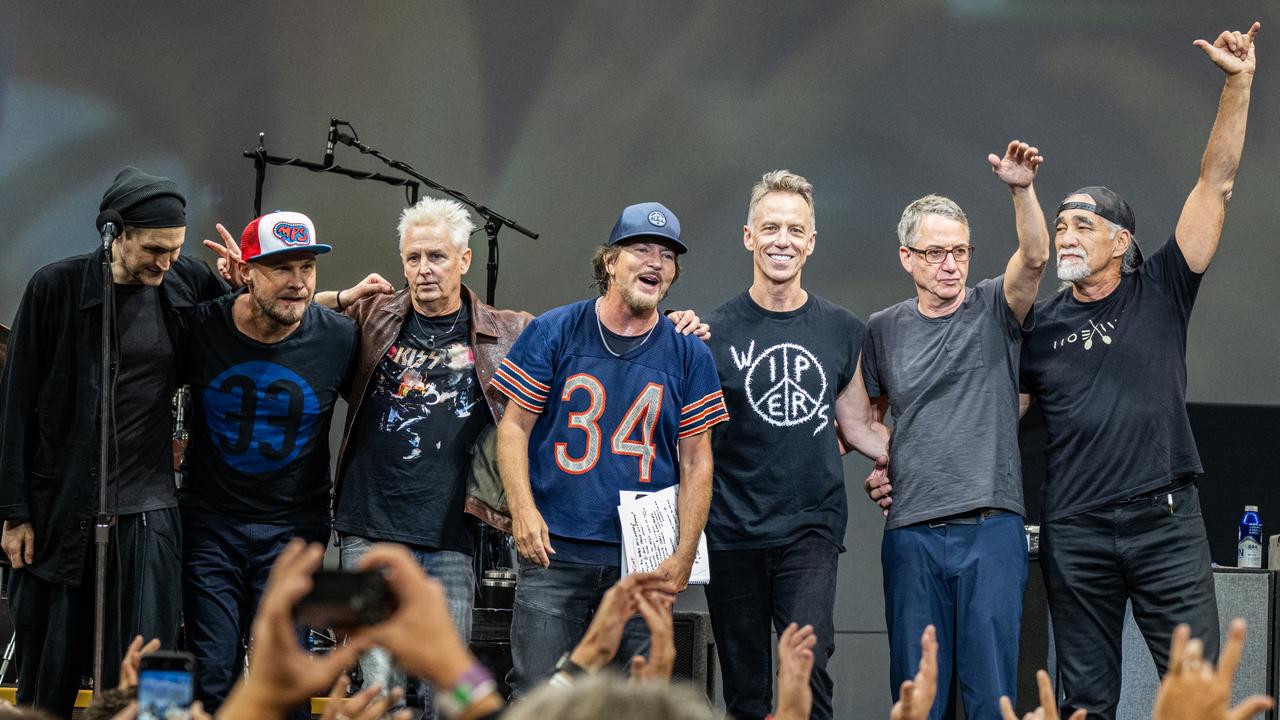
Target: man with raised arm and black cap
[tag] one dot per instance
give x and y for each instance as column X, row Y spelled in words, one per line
column 1106, row 362
column 49, row 402
column 606, row 396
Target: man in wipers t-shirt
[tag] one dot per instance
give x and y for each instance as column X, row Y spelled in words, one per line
column 265, row 368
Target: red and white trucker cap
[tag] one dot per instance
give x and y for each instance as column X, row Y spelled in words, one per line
column 279, row 232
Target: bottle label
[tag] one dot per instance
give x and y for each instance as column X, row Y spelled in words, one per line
column 1249, row 553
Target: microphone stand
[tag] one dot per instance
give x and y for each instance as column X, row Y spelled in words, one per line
column 102, row 523
column 261, row 160
column 493, row 221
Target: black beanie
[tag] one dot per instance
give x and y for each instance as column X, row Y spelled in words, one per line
column 145, row 200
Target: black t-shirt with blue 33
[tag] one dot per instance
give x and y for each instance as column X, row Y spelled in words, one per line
column 261, row 412
column 778, row 473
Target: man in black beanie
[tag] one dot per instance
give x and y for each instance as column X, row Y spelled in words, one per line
column 49, row 445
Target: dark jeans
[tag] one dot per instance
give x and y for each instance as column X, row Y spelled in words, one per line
column 54, row 622
column 967, row 580
column 1137, row 551
column 225, row 563
column 755, row 592
column 553, row 608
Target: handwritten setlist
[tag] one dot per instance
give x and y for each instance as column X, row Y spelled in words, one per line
column 651, row 530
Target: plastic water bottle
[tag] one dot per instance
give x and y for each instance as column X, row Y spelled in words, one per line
column 1249, row 539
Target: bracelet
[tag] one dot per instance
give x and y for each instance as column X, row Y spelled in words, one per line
column 474, row 684
column 338, row 298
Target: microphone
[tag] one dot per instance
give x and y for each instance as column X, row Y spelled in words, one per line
column 110, row 224
column 333, row 135
column 350, row 141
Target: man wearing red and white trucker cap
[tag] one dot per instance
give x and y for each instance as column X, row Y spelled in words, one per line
column 265, row 366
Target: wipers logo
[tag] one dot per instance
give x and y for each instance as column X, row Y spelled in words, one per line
column 785, row 384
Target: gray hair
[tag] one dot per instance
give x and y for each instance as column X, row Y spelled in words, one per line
column 431, row 211
column 606, row 695
column 913, row 214
column 782, row 181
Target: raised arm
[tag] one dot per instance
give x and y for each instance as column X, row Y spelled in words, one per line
column 1017, row 169
column 1200, row 225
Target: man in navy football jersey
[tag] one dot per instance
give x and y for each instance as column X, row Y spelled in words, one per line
column 265, row 367
column 606, row 396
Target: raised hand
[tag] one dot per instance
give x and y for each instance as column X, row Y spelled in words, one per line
column 131, row 664
column 228, row 257
column 915, row 697
column 1048, row 709
column 368, row 704
column 1193, row 689
column 1233, row 51
column 600, row 643
column 1018, row 167
column 662, row 648
column 795, row 664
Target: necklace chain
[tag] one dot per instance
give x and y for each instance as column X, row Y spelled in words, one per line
column 431, row 338
column 600, row 329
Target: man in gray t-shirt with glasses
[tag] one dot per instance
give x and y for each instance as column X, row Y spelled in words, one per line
column 945, row 362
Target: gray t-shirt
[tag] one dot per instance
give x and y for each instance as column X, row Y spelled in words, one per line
column 952, row 384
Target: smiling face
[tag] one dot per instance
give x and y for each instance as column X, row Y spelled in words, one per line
column 1087, row 244
column 941, row 284
column 780, row 237
column 143, row 255
column 641, row 273
column 282, row 285
column 433, row 267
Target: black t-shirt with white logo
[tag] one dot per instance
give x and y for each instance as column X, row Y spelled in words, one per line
column 405, row 480
column 778, row 473
column 1111, row 380
column 260, row 414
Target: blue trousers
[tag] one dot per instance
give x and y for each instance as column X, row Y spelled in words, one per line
column 756, row 592
column 225, row 563
column 966, row 579
column 454, row 570
column 553, row 608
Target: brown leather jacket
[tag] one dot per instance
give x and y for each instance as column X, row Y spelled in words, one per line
column 380, row 317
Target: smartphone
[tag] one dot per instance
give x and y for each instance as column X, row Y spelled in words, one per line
column 344, row 599
column 166, row 686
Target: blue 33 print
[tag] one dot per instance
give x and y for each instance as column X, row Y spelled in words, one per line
column 260, row 415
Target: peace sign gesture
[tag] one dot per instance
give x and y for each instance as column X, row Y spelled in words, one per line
column 1233, row 51
column 228, row 257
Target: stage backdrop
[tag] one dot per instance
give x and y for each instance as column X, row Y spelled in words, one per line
column 560, row 113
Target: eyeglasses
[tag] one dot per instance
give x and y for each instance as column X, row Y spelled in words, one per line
column 935, row 255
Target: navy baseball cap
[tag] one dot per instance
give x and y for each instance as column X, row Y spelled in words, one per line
column 648, row 219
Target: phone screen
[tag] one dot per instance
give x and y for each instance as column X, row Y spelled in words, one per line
column 164, row 695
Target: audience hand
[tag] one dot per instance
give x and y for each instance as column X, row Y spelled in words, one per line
column 130, row 712
column 364, row 705
column 662, row 647
column 132, row 661
column 281, row 673
column 915, row 697
column 600, row 643
column 1194, row 690
column 795, row 663
column 1048, row 709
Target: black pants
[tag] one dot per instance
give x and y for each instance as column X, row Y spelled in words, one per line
column 54, row 622
column 755, row 592
column 1138, row 551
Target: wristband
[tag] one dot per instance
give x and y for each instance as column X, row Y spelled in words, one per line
column 338, row 299
column 474, row 684
column 567, row 666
